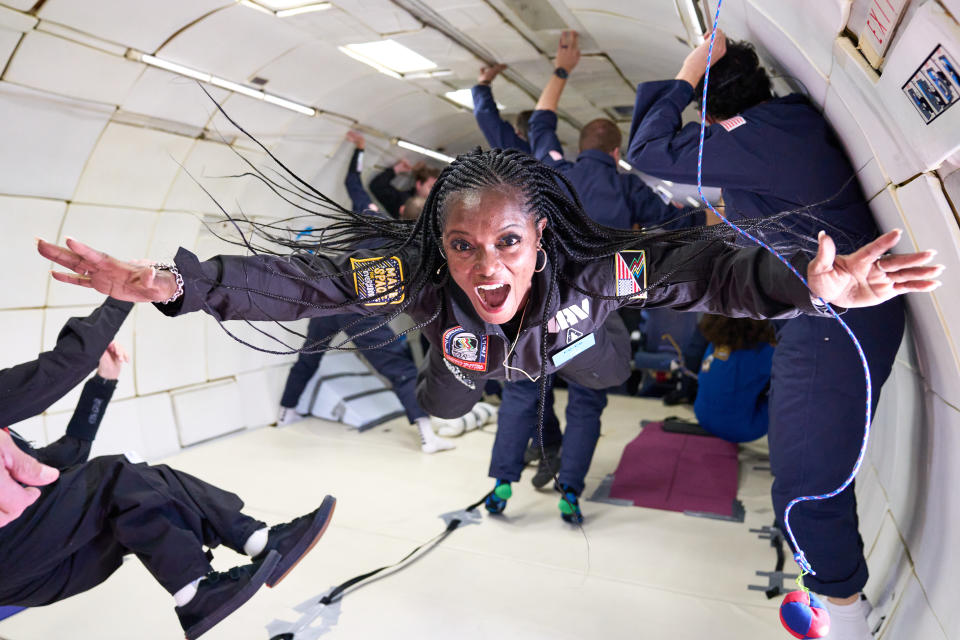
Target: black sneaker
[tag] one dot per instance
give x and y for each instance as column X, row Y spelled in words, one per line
column 221, row 593
column 294, row 539
column 547, row 467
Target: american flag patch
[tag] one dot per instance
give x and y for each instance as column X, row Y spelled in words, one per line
column 631, row 273
column 732, row 123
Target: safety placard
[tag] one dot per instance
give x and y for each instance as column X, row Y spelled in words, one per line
column 935, row 86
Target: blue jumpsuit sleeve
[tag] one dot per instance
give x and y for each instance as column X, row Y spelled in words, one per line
column 661, row 146
column 499, row 133
column 359, row 197
column 544, row 142
column 647, row 209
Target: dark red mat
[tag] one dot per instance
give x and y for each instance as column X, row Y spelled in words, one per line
column 677, row 472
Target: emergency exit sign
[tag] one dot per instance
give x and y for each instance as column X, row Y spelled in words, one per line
column 882, row 19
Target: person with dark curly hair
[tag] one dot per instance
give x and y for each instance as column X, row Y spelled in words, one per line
column 734, row 378
column 772, row 155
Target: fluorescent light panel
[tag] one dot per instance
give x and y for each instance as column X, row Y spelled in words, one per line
column 464, row 97
column 625, row 165
column 694, row 20
column 382, row 69
column 309, row 8
column 430, row 153
column 390, row 54
column 227, row 84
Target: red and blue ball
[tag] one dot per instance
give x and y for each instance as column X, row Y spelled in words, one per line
column 804, row 616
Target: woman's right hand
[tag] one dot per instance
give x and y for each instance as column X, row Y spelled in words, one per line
column 130, row 281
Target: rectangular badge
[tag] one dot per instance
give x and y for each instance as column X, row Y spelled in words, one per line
column 631, row 273
column 571, row 351
column 374, row 283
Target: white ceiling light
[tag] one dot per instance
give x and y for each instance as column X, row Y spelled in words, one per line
column 693, row 201
column 389, row 54
column 430, row 153
column 693, row 19
column 256, row 7
column 464, row 97
column 226, row 84
column 308, row 8
column 625, row 165
column 378, row 67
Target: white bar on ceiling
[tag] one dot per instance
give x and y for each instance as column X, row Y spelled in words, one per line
column 694, row 20
column 236, row 88
column 175, row 68
column 430, row 153
column 289, row 104
column 379, row 67
column 626, row 166
column 256, row 7
column 310, row 8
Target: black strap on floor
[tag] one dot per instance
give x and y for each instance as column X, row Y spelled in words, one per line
column 337, row 592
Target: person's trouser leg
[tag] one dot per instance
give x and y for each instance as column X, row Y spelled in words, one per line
column 817, row 416
column 516, row 425
column 391, row 358
column 75, row 536
column 319, row 329
column 584, row 407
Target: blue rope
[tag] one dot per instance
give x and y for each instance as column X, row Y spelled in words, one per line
column 798, row 555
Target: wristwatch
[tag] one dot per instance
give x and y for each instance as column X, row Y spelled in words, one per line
column 561, row 73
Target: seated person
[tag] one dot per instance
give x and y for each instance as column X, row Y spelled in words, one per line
column 734, row 379
column 73, row 535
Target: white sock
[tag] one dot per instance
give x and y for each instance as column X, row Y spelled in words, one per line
column 849, row 622
column 429, row 441
column 185, row 595
column 256, row 542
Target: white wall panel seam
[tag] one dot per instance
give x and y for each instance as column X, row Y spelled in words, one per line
column 67, row 32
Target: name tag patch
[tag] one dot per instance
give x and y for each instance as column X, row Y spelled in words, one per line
column 631, row 273
column 465, row 349
column 379, row 280
column 571, row 351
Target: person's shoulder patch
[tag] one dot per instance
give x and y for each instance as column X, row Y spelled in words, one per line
column 465, row 349
column 732, row 123
column 630, row 271
column 556, row 155
column 378, row 280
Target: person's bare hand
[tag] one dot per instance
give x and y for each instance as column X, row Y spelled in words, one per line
column 867, row 276
column 357, row 139
column 568, row 51
column 18, row 469
column 696, row 63
column 130, row 281
column 402, row 166
column 487, row 74
column 111, row 362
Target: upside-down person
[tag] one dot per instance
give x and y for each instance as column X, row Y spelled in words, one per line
column 771, row 155
column 72, row 534
column 499, row 250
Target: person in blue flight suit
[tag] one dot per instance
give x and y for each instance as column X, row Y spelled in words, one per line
column 614, row 200
column 381, row 347
column 499, row 133
column 771, row 155
column 734, row 380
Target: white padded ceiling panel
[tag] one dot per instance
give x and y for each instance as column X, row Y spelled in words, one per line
column 405, row 114
column 141, row 24
column 157, row 426
column 208, row 163
column 226, row 356
column 437, row 47
column 856, row 144
column 263, row 120
column 22, row 335
column 438, row 132
column 596, row 79
column 208, row 411
column 132, row 166
column 46, row 141
column 8, row 42
column 169, row 351
column 914, row 617
column 20, row 5
column 234, row 43
column 382, row 16
column 661, row 16
column 64, row 67
column 365, row 96
column 164, row 95
column 23, row 273
column 816, row 30
column 261, row 398
column 642, row 51
column 172, row 231
column 123, row 233
column 313, row 70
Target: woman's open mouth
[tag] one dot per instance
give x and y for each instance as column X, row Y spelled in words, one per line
column 494, row 295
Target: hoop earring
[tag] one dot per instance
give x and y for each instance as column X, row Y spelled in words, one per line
column 441, row 268
column 544, row 265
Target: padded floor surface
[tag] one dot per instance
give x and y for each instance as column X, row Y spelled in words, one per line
column 677, row 472
column 631, row 573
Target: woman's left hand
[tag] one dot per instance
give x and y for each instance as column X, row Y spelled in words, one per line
column 867, row 276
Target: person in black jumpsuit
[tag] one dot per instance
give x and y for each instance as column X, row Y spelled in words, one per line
column 72, row 534
column 772, row 155
column 498, row 259
column 383, row 350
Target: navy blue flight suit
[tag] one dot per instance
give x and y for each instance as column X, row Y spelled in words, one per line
column 499, row 133
column 778, row 156
column 381, row 347
column 612, row 199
